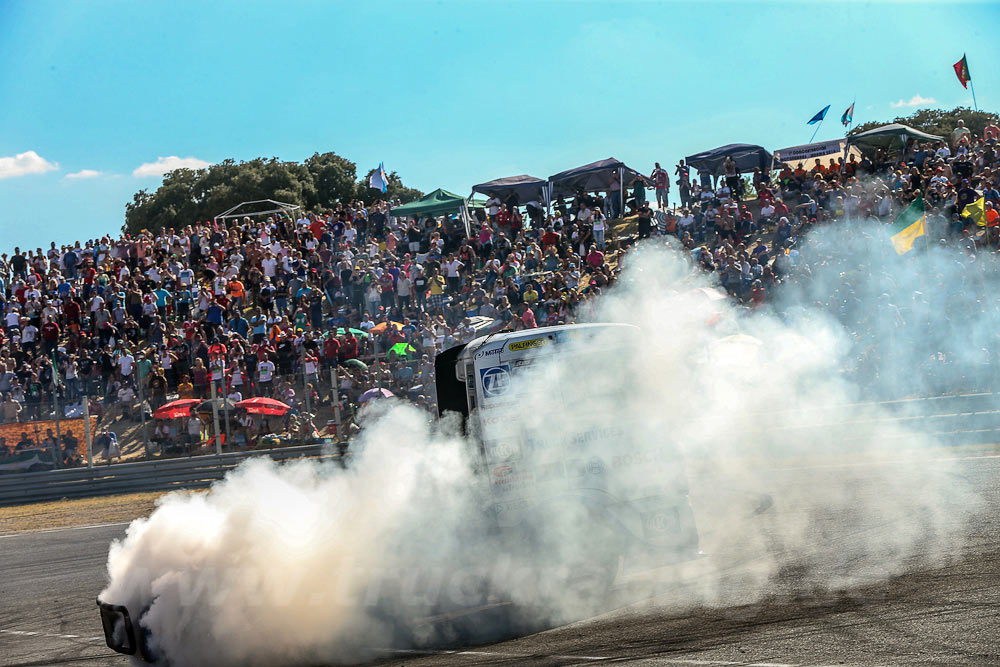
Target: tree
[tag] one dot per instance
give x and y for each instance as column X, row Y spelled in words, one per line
column 194, row 195
column 394, row 189
column 939, row 121
column 333, row 177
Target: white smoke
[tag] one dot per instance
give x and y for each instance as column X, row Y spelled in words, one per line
column 794, row 484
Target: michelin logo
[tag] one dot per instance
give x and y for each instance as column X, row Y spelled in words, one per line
column 495, row 380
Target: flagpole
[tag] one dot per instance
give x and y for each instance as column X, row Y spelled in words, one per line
column 818, row 125
column 972, row 87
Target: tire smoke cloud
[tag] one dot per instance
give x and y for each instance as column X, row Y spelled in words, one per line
column 795, row 484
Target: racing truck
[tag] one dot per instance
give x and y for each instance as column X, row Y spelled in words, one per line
column 539, row 410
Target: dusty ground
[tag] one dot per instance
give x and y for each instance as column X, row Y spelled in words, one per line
column 82, row 512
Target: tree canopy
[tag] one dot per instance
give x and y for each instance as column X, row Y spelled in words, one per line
column 191, row 195
column 938, row 121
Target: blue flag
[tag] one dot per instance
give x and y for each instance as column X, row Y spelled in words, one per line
column 379, row 181
column 820, row 116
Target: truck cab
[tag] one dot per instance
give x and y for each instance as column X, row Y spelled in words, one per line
column 539, row 408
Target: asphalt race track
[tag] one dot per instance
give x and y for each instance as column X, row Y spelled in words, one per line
column 943, row 616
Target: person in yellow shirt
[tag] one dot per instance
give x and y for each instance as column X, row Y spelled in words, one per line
column 530, row 295
column 185, row 389
column 436, row 287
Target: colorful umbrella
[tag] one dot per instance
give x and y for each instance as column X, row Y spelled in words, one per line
column 373, row 394
column 381, row 326
column 222, row 403
column 176, row 409
column 357, row 332
column 264, row 406
column 401, row 350
column 356, row 363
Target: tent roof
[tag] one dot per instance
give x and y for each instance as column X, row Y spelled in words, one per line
column 527, row 188
column 746, row 157
column 592, row 177
column 439, row 202
column 886, row 134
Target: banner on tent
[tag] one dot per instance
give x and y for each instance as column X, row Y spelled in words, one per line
column 795, row 154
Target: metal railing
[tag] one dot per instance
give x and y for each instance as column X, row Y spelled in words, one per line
column 968, row 419
column 167, row 475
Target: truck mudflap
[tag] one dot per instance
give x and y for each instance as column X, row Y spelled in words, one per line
column 121, row 634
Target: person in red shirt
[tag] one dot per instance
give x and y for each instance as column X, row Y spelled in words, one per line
column 549, row 238
column 317, row 228
column 780, row 210
column 88, row 273
column 349, row 347
column 50, row 336
column 331, row 351
column 595, row 257
column 71, row 309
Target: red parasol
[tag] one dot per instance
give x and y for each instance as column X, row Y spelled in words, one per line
column 175, row 409
column 264, row 406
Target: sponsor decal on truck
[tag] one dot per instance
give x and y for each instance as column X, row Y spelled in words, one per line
column 527, row 344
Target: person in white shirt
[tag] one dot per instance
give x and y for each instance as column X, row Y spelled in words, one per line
column 186, row 277
column 599, row 227
column 493, row 206
column 269, row 265
column 265, row 373
column 766, row 213
column 29, row 334
column 125, row 363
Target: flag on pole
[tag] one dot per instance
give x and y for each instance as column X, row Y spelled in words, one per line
column 976, row 211
column 820, row 116
column 379, row 181
column 962, row 72
column 848, row 116
column 909, row 226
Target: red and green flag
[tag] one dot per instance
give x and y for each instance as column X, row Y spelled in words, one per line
column 909, row 226
column 962, row 72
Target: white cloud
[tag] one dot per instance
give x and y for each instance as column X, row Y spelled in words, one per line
column 23, row 164
column 85, row 173
column 915, row 101
column 167, row 164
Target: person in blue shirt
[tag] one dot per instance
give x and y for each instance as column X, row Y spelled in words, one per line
column 213, row 319
column 184, row 298
column 239, row 325
column 162, row 298
column 259, row 323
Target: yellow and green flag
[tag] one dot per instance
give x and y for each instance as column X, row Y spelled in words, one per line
column 909, row 226
column 976, row 211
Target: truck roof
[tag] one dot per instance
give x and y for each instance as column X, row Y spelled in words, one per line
column 497, row 340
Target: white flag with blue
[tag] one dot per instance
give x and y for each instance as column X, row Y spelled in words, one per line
column 379, row 180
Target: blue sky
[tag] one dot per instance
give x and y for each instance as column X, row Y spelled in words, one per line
column 448, row 94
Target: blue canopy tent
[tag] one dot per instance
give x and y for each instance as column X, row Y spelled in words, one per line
column 746, row 156
column 595, row 177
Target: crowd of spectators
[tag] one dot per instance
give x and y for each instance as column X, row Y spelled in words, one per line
column 270, row 305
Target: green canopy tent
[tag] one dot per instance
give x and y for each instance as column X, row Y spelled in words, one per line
column 439, row 202
column 887, row 135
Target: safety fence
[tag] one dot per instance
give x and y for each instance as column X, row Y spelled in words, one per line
column 167, row 475
column 968, row 419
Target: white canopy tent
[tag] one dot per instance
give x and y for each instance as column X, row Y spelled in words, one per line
column 270, row 205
